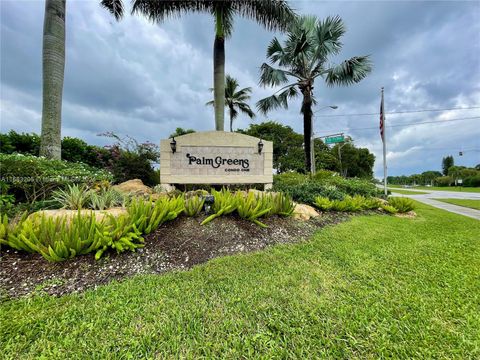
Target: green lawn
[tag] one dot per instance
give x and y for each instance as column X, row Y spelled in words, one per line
column 407, row 192
column 474, row 204
column 442, row 188
column 375, row 287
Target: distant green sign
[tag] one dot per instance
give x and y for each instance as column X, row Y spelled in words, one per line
column 334, row 139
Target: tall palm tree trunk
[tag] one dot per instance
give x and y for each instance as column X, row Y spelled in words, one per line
column 231, row 119
column 53, row 74
column 307, row 125
column 219, row 73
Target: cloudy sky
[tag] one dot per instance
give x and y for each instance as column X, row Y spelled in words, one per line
column 145, row 80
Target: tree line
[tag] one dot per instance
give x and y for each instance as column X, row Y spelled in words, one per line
column 451, row 175
column 304, row 57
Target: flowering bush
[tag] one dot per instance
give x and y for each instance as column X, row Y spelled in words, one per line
column 33, row 178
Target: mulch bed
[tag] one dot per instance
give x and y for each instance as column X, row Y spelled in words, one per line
column 178, row 245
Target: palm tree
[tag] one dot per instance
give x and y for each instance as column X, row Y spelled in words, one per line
column 273, row 14
column 236, row 100
column 53, row 60
column 303, row 58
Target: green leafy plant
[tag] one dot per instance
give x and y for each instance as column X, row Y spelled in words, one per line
column 402, row 204
column 74, row 197
column 389, row 209
column 120, row 234
column 251, row 207
column 371, row 203
column 323, row 203
column 107, row 198
column 32, row 178
column 225, row 203
column 148, row 215
column 61, row 238
column 280, row 204
column 193, row 205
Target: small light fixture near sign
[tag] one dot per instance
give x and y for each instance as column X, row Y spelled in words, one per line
column 260, row 146
column 173, row 145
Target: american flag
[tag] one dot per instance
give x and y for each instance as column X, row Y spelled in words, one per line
column 382, row 119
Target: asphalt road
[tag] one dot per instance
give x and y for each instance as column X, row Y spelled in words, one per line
column 430, row 197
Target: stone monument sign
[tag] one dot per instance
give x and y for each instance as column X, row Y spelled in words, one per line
column 216, row 157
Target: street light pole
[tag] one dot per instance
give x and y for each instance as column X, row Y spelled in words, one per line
column 313, row 169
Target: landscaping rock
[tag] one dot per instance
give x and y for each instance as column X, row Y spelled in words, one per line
column 304, row 212
column 99, row 214
column 134, row 187
column 408, row 215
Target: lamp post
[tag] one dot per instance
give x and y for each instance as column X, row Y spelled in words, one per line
column 312, row 142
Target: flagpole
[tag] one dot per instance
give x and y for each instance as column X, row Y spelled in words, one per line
column 384, row 149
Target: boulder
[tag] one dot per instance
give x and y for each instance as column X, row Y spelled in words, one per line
column 304, row 212
column 133, row 187
column 99, row 214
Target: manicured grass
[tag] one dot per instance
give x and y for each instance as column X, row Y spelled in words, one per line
column 474, row 204
column 375, row 287
column 442, row 188
column 407, row 192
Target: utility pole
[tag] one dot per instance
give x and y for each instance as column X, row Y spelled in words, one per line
column 313, row 169
column 384, row 140
column 348, row 139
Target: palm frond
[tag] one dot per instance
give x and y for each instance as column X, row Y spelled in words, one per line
column 272, row 14
column 243, row 94
column 328, row 35
column 271, row 76
column 245, row 108
column 210, row 103
column 277, row 101
column 224, row 13
column 349, row 71
column 159, row 10
column 115, row 7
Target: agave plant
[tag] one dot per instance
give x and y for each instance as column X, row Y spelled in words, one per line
column 74, row 197
column 107, row 198
column 193, row 205
column 253, row 207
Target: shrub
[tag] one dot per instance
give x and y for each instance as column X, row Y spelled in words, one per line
column 472, row 181
column 193, row 205
column 23, row 143
column 349, row 203
column 323, row 175
column 443, row 181
column 128, row 159
column 61, row 238
column 324, row 183
column 389, row 209
column 372, row 204
column 251, row 207
column 323, row 203
column 225, row 203
column 354, row 187
column 280, row 204
column 308, row 191
column 402, row 204
column 34, row 178
column 289, row 179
